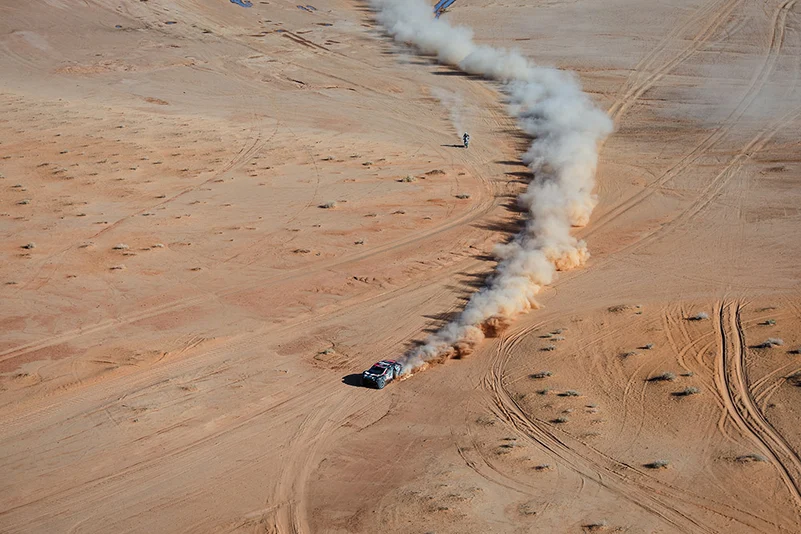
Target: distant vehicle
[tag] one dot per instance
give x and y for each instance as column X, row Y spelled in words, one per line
column 381, row 372
column 466, row 140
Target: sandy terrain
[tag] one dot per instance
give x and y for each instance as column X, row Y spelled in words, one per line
column 182, row 321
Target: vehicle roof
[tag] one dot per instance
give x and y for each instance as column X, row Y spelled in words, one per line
column 385, row 362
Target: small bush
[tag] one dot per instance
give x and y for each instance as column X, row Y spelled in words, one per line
column 628, row 354
column 542, row 467
column 409, row 178
column 29, row 246
column 596, row 526
column 795, row 351
column 541, row 374
column 558, row 331
column 560, row 420
column 367, row 163
column 748, row 458
column 699, row 317
column 570, row 393
column 647, row 346
column 24, row 202
column 558, row 338
column 658, row 464
column 117, row 268
column 120, row 246
column 329, row 205
column 463, row 196
column 770, row 343
column 664, row 377
column 686, row 392
column 688, row 374
column 769, row 322
column 543, row 391
column 548, row 348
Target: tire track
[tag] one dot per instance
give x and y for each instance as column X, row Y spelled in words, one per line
column 635, row 87
column 665, row 501
column 741, row 405
column 755, row 85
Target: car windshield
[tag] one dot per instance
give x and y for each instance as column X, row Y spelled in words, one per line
column 377, row 370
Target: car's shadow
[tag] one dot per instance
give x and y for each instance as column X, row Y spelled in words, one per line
column 354, row 380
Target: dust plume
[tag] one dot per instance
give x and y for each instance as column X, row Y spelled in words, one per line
column 455, row 105
column 566, row 129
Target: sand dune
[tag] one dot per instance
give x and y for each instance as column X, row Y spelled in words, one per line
column 215, row 217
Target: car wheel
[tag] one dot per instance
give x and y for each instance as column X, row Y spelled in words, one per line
column 380, row 383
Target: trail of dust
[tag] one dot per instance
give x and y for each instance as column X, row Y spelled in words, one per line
column 455, row 105
column 566, row 129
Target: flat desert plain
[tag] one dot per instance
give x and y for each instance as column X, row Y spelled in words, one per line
column 214, row 217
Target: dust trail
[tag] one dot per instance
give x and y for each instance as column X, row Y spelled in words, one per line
column 566, row 129
column 455, row 106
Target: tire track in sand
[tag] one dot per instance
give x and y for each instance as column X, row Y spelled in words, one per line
column 661, row 499
column 732, row 382
column 758, row 80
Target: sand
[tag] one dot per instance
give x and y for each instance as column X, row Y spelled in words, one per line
column 183, row 322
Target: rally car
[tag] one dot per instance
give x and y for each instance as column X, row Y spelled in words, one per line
column 381, row 372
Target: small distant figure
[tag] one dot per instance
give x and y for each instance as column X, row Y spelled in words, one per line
column 466, row 139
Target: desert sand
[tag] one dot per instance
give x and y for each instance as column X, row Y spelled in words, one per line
column 214, row 218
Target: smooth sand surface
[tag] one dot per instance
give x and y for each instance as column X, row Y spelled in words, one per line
column 182, row 337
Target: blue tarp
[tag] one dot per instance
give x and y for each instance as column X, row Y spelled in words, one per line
column 441, row 6
column 243, row 3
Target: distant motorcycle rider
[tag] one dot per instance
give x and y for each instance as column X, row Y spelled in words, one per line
column 466, row 139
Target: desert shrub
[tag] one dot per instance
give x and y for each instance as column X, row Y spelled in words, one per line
column 595, row 526
column 658, row 464
column 748, row 458
column 120, row 246
column 570, row 393
column 699, row 316
column 769, row 322
column 664, row 377
column 408, row 178
column 686, row 392
column 647, row 346
column 770, row 343
column 463, row 196
column 541, row 374
column 29, row 246
column 560, row 420
column 329, row 205
column 548, row 348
